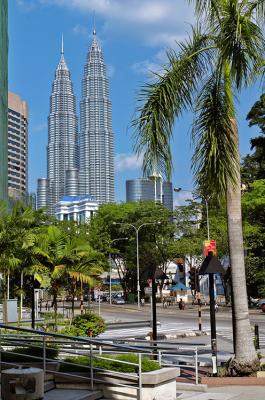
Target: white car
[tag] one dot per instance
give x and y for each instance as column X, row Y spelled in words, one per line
column 118, row 300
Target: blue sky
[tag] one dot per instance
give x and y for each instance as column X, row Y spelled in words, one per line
column 134, row 35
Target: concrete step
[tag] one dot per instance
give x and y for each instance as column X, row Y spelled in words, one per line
column 67, row 394
column 207, row 396
column 49, row 385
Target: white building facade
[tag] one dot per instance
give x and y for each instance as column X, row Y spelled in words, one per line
column 76, row 208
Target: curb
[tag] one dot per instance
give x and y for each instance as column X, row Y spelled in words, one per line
column 180, row 335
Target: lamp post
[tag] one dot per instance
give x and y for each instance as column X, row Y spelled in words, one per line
column 137, row 252
column 112, row 241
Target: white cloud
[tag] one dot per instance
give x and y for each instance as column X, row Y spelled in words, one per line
column 80, row 30
column 111, row 70
column 39, row 127
column 148, row 66
column 180, row 198
column 154, row 22
column 125, row 162
column 26, row 5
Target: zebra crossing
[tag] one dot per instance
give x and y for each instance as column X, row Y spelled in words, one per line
column 166, row 328
column 170, row 328
column 227, row 334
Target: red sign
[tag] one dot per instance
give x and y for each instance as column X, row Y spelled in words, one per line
column 209, row 246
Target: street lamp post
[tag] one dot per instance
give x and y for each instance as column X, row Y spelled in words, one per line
column 137, row 252
column 114, row 240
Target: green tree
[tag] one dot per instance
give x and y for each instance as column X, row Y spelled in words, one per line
column 223, row 55
column 154, row 240
column 253, row 202
column 17, row 240
column 253, row 165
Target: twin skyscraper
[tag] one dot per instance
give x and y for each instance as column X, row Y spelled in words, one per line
column 79, row 162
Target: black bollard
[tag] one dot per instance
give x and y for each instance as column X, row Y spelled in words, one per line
column 256, row 330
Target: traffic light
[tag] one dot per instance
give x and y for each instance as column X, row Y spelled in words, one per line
column 192, row 281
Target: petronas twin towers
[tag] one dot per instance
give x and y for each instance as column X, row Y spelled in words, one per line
column 79, row 163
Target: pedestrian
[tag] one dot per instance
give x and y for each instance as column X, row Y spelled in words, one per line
column 181, row 304
column 216, row 307
column 142, row 301
column 165, row 304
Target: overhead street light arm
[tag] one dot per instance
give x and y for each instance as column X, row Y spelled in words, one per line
column 137, row 251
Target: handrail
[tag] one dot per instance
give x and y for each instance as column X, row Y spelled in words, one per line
column 95, row 347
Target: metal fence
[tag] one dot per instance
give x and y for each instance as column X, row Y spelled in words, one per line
column 166, row 354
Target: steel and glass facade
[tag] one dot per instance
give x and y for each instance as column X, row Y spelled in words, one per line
column 3, row 98
column 152, row 189
column 62, row 149
column 96, row 136
column 17, row 147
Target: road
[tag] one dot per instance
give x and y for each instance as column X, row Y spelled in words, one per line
column 174, row 320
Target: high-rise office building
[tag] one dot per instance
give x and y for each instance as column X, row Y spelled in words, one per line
column 62, row 149
column 96, row 136
column 152, row 188
column 17, row 147
column 3, row 98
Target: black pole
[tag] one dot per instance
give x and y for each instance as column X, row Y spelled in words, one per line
column 33, row 304
column 197, row 282
column 257, row 345
column 154, row 324
column 213, row 324
column 233, row 317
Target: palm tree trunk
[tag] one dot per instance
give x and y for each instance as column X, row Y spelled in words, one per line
column 245, row 355
column 55, row 307
column 5, row 310
column 81, row 297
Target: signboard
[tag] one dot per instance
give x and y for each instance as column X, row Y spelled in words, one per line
column 209, row 246
column 148, row 291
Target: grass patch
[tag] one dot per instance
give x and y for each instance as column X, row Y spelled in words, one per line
column 147, row 364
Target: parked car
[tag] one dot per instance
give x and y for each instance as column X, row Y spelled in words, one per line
column 118, row 300
column 261, row 304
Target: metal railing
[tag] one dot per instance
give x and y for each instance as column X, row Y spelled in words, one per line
column 165, row 353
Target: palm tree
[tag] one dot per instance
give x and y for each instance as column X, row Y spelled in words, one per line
column 223, row 54
column 67, row 256
column 17, row 239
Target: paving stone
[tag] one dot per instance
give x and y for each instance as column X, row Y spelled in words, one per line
column 207, row 396
column 68, row 394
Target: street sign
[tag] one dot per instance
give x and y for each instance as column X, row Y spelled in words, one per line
column 148, row 291
column 209, row 246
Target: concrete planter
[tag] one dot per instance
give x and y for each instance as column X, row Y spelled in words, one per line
column 159, row 385
column 260, row 374
column 51, row 366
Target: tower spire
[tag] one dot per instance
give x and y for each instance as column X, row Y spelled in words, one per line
column 62, row 49
column 94, row 24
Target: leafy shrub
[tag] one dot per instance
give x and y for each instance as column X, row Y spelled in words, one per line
column 147, row 364
column 12, row 356
column 86, row 325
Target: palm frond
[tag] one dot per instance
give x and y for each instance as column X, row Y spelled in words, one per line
column 165, row 99
column 258, row 6
column 208, row 8
column 215, row 155
column 240, row 41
